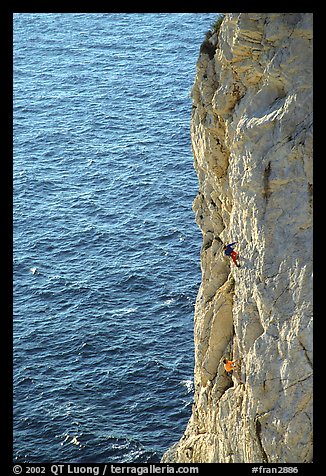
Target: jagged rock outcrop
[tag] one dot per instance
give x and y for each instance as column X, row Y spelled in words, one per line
column 251, row 133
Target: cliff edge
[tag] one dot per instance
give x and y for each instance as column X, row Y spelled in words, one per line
column 251, row 132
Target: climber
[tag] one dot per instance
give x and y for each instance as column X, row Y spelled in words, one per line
column 229, row 251
column 229, row 366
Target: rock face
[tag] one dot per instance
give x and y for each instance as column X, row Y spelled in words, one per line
column 251, row 132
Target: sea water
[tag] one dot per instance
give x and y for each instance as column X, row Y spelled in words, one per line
column 106, row 249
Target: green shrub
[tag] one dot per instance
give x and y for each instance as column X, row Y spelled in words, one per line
column 206, row 46
column 216, row 26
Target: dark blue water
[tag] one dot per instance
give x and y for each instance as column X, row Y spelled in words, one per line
column 106, row 249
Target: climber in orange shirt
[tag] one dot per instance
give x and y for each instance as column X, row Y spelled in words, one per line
column 229, row 366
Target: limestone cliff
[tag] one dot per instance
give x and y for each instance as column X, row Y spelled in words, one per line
column 251, row 133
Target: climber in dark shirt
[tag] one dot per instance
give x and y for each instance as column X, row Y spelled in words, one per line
column 229, row 251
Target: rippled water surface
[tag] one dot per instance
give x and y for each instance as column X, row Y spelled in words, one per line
column 106, row 249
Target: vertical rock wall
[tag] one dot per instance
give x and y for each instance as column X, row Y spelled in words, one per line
column 251, row 132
